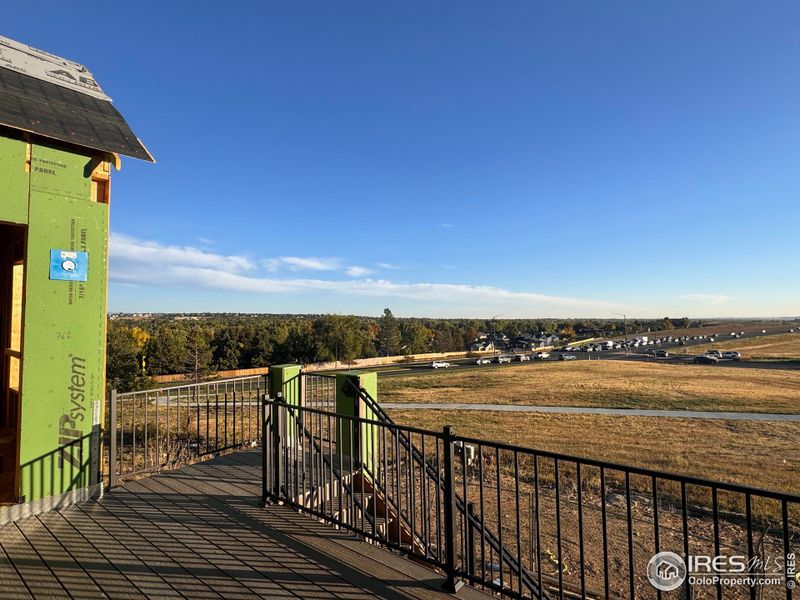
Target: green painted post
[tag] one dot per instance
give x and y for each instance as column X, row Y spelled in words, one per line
column 364, row 442
column 285, row 380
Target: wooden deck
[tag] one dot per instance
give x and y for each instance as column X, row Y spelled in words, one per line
column 198, row 532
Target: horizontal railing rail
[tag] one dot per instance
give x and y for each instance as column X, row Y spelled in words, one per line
column 149, row 430
column 536, row 523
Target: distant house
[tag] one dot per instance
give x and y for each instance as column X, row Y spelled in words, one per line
column 482, row 346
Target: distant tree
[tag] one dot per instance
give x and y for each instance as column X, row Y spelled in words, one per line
column 123, row 368
column 226, row 350
column 199, row 354
column 390, row 337
column 167, row 350
column 415, row 338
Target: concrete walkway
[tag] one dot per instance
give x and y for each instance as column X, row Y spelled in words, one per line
column 580, row 410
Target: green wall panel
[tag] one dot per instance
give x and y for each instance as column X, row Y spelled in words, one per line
column 64, row 335
column 13, row 181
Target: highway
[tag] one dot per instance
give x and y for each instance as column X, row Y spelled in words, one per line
column 634, row 354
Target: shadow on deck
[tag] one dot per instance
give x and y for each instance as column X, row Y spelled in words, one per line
column 198, row 532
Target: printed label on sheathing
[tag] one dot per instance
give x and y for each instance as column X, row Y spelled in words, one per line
column 96, row 412
column 69, row 431
column 48, row 67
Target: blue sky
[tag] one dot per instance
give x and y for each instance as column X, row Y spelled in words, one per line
column 448, row 158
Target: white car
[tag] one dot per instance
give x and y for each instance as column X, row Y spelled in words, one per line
column 732, row 355
column 440, row 364
column 503, row 359
column 523, row 357
column 482, row 361
column 542, row 355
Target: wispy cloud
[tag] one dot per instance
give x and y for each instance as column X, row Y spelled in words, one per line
column 299, row 263
column 150, row 263
column 357, row 271
column 708, row 298
column 126, row 247
column 385, row 265
column 447, row 225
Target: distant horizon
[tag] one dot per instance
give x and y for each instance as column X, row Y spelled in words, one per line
column 402, row 316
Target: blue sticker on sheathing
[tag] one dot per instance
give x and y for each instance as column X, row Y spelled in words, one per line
column 68, row 265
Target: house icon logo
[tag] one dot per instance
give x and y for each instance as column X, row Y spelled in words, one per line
column 666, row 571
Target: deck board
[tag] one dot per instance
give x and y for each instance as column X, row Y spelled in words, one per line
column 198, row 532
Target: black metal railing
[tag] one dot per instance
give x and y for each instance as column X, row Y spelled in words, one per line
column 154, row 429
column 520, row 522
column 318, row 390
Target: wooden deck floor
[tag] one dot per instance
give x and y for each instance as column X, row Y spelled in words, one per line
column 198, row 532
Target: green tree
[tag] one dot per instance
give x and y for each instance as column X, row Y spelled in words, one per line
column 123, row 367
column 415, row 338
column 390, row 339
column 166, row 351
column 226, row 350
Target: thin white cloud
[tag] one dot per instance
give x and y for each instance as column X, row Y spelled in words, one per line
column 125, row 247
column 447, row 225
column 299, row 263
column 708, row 298
column 390, row 266
column 150, row 263
column 357, row 271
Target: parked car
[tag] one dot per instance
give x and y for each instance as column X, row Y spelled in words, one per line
column 482, row 361
column 662, row 354
column 732, row 355
column 503, row 359
column 705, row 359
column 567, row 357
column 523, row 357
column 440, row 364
column 715, row 353
column 541, row 355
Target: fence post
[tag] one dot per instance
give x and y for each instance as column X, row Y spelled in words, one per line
column 275, row 423
column 112, row 440
column 452, row 584
column 264, row 449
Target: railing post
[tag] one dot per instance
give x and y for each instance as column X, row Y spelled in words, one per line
column 277, row 471
column 452, row 584
column 264, row 449
column 112, row 440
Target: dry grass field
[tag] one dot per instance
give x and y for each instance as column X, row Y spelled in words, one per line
column 760, row 454
column 773, row 347
column 611, row 383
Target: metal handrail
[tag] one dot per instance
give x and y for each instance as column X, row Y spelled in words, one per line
column 661, row 512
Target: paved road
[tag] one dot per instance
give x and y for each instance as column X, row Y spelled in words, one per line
column 579, row 410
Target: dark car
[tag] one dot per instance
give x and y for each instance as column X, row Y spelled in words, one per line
column 705, row 359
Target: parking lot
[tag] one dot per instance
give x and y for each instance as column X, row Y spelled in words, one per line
column 670, row 348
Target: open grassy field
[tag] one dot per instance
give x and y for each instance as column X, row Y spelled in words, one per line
column 785, row 346
column 609, row 384
column 744, row 452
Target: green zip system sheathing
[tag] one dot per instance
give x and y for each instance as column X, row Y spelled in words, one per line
column 63, row 360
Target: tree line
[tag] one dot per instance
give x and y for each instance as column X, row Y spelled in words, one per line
column 140, row 347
